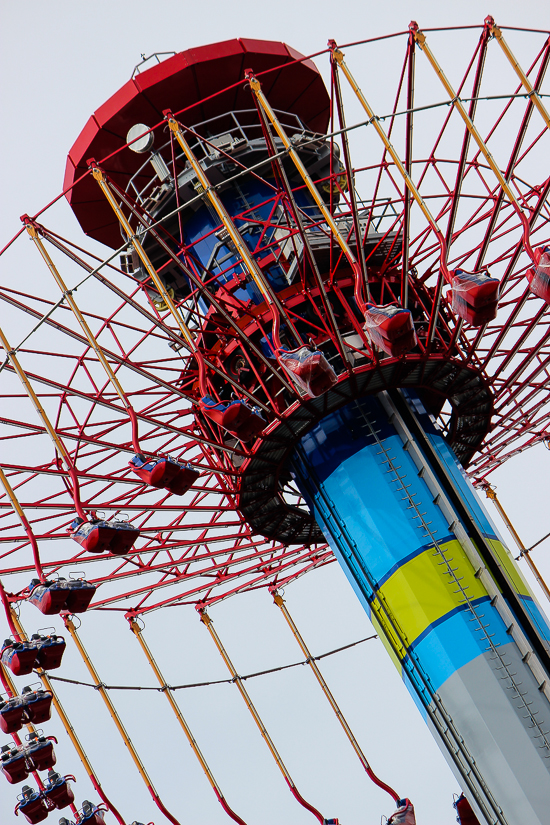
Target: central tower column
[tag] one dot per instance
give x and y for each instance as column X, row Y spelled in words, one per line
column 444, row 593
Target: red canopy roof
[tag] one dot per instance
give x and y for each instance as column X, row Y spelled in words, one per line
column 183, row 82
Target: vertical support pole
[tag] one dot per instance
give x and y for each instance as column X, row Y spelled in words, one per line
column 524, row 553
column 207, row 621
column 68, row 726
column 138, row 633
column 351, row 182
column 278, row 600
column 69, row 624
column 408, row 168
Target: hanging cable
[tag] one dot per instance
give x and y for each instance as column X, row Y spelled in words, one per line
column 138, row 633
column 207, row 621
column 490, row 492
column 33, row 231
column 275, row 307
column 69, row 624
column 101, row 179
column 58, row 443
column 279, row 601
column 18, row 510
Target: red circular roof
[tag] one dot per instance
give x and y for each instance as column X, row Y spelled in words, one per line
column 182, row 82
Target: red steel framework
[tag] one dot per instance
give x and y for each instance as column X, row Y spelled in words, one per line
column 487, row 385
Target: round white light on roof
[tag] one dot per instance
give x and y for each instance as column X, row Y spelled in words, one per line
column 142, row 137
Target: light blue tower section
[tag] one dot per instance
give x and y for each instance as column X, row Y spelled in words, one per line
column 446, row 596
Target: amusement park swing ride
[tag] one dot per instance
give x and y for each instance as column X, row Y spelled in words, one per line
column 294, row 359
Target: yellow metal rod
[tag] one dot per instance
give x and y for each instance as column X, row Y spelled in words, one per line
column 34, row 398
column 249, row 261
column 207, row 621
column 69, row 624
column 278, row 600
column 13, row 498
column 490, row 493
column 533, row 94
column 66, row 722
column 184, row 329
column 420, row 38
column 339, row 58
column 223, row 214
column 262, row 100
column 33, row 232
column 137, row 631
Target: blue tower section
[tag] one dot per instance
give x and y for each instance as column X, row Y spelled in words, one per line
column 444, row 593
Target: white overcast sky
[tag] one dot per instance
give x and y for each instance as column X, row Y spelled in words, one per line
column 59, row 61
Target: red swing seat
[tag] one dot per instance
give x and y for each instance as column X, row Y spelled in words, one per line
column 464, row 810
column 49, row 650
column 40, row 753
column 390, row 328
column 32, row 805
column 12, row 714
column 58, row 790
column 539, row 277
column 404, row 815
column 49, row 597
column 37, row 705
column 14, row 763
column 97, row 535
column 91, row 814
column 165, row 473
column 79, row 595
column 309, row 369
column 20, row 657
column 237, row 418
column 474, row 296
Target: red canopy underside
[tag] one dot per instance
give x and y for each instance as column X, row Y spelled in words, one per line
column 184, row 82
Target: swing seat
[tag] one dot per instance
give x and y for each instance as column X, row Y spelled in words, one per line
column 37, row 705
column 40, row 753
column 58, row 790
column 79, row 594
column 12, row 714
column 49, row 650
column 124, row 537
column 477, row 288
column 474, row 296
column 404, row 815
column 14, row 764
column 237, row 418
column 19, row 657
column 48, row 597
column 183, row 480
column 165, row 472
column 465, row 814
column 390, row 328
column 95, row 536
column 309, row 368
column 91, row 814
column 32, row 805
column 475, row 317
column 539, row 277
